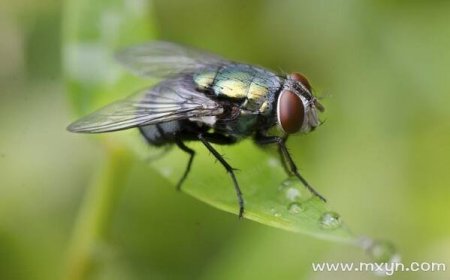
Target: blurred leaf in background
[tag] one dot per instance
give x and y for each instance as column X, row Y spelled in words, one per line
column 381, row 158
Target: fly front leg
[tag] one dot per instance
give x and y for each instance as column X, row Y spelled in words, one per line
column 217, row 138
column 282, row 158
column 264, row 140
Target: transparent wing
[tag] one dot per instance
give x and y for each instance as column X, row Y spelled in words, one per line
column 173, row 99
column 163, row 59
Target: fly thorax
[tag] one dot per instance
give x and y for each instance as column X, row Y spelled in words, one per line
column 252, row 88
column 204, row 79
column 257, row 99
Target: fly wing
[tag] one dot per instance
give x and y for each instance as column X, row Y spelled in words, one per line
column 163, row 59
column 171, row 100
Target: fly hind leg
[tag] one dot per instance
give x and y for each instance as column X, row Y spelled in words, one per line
column 191, row 153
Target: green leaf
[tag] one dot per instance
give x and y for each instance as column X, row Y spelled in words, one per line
column 271, row 197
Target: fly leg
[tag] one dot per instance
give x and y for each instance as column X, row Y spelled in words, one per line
column 217, row 138
column 264, row 140
column 282, row 158
column 191, row 153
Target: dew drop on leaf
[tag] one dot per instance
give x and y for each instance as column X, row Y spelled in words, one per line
column 380, row 251
column 295, row 208
column 291, row 190
column 275, row 212
column 330, row 220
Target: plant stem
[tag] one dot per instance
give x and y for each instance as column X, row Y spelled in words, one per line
column 95, row 215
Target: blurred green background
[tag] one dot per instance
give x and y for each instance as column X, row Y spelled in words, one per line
column 382, row 158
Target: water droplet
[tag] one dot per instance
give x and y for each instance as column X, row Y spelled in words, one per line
column 167, row 172
column 292, row 194
column 288, row 182
column 380, row 251
column 275, row 212
column 330, row 220
column 291, row 190
column 273, row 162
column 295, row 208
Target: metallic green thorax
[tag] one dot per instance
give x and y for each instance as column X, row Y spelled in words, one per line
column 254, row 87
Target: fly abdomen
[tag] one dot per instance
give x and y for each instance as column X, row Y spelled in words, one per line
column 170, row 132
column 160, row 134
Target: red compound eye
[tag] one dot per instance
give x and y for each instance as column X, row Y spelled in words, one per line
column 291, row 111
column 302, row 79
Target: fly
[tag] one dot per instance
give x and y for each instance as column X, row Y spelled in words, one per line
column 203, row 97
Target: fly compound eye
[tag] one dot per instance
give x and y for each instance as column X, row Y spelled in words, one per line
column 291, row 111
column 302, row 79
